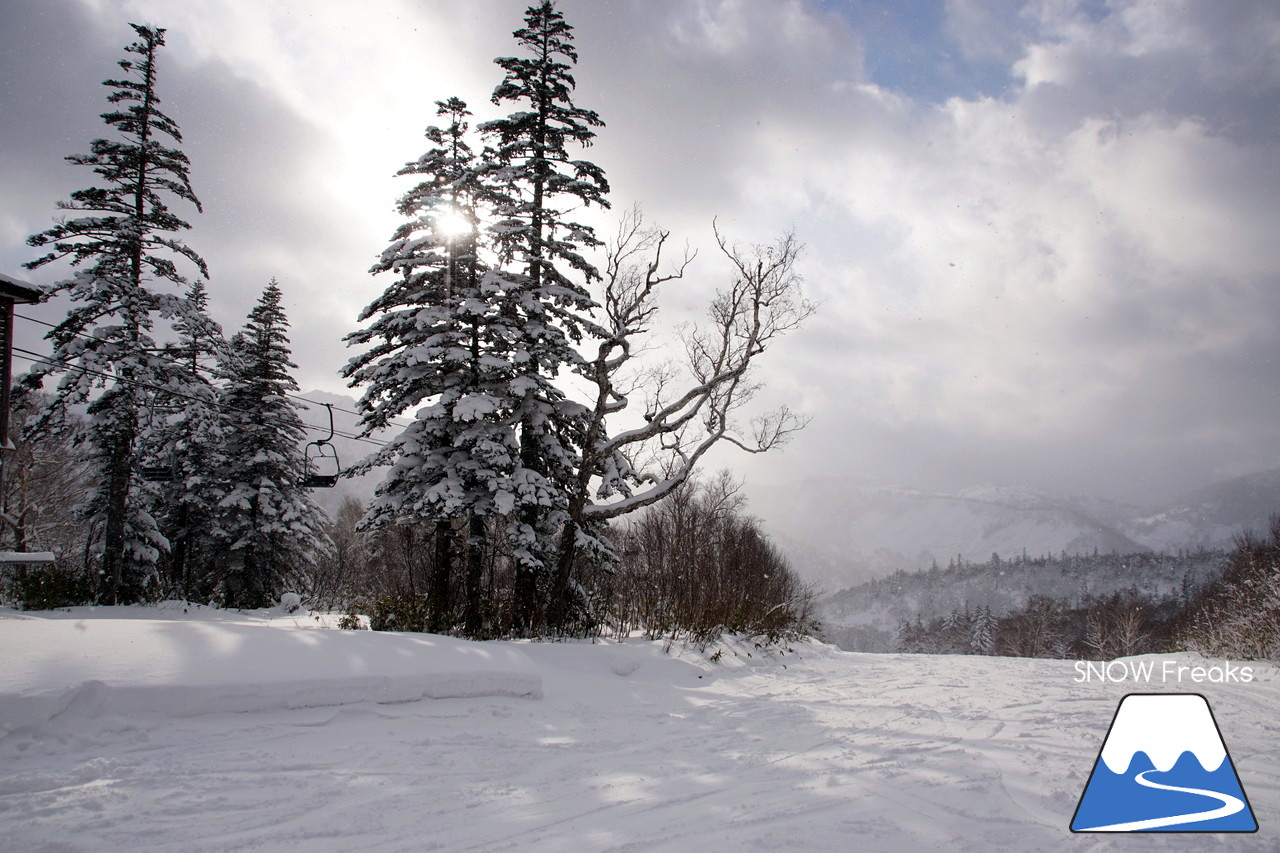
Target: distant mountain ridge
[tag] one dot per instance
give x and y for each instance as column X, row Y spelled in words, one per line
column 845, row 532
column 1211, row 516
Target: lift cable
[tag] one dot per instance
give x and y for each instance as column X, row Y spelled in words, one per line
column 37, row 358
column 292, row 396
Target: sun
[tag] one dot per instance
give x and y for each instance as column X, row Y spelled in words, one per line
column 453, row 224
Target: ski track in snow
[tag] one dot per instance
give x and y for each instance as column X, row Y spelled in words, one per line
column 629, row 749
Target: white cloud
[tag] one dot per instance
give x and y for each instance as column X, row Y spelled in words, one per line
column 1050, row 264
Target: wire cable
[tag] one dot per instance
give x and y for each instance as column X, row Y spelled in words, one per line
column 205, row 370
column 37, row 358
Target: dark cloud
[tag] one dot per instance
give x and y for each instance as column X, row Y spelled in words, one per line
column 256, row 165
column 52, row 60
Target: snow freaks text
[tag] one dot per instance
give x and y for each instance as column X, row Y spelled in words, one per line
column 1168, row 672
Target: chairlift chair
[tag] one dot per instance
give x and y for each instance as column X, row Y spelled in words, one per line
column 158, row 473
column 322, row 464
column 164, row 467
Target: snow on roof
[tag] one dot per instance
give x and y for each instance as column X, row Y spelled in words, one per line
column 17, row 290
column 26, row 557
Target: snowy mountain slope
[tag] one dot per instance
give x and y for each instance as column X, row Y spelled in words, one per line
column 629, row 749
column 1212, row 516
column 868, row 528
column 845, row 532
column 867, row 617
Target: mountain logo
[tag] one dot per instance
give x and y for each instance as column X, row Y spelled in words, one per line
column 1163, row 767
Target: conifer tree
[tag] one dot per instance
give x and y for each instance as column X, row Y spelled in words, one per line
column 271, row 531
column 544, row 279
column 440, row 350
column 982, row 632
column 187, row 445
column 120, row 235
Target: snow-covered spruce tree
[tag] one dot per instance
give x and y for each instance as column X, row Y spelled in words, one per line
column 120, row 235
column 439, row 349
column 982, row 632
column 187, row 444
column 271, row 531
column 544, row 278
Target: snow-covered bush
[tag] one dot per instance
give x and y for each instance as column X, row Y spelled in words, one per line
column 350, row 622
column 406, row 612
column 1238, row 616
column 44, row 587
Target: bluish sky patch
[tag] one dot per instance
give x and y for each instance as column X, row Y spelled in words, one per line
column 909, row 50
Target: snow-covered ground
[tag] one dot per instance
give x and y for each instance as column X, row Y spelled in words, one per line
column 209, row 731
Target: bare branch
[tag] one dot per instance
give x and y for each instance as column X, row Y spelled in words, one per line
column 761, row 303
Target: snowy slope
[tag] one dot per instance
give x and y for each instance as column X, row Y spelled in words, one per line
column 629, row 748
column 1212, row 516
column 855, row 530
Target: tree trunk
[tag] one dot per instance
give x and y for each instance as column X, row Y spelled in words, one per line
column 475, row 565
column 177, row 575
column 439, row 590
column 527, row 604
column 112, row 576
column 526, row 600
column 560, row 608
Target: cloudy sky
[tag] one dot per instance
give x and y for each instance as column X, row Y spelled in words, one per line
column 1043, row 234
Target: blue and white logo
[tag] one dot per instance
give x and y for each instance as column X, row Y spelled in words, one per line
column 1163, row 768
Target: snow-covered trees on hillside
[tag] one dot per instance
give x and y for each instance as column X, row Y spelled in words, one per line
column 270, row 530
column 44, row 478
column 1095, row 606
column 121, row 237
column 523, row 442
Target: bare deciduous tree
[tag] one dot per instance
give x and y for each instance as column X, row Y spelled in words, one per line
column 688, row 411
column 696, row 567
column 341, row 575
column 46, row 478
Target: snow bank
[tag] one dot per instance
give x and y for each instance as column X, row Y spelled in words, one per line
column 96, row 667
